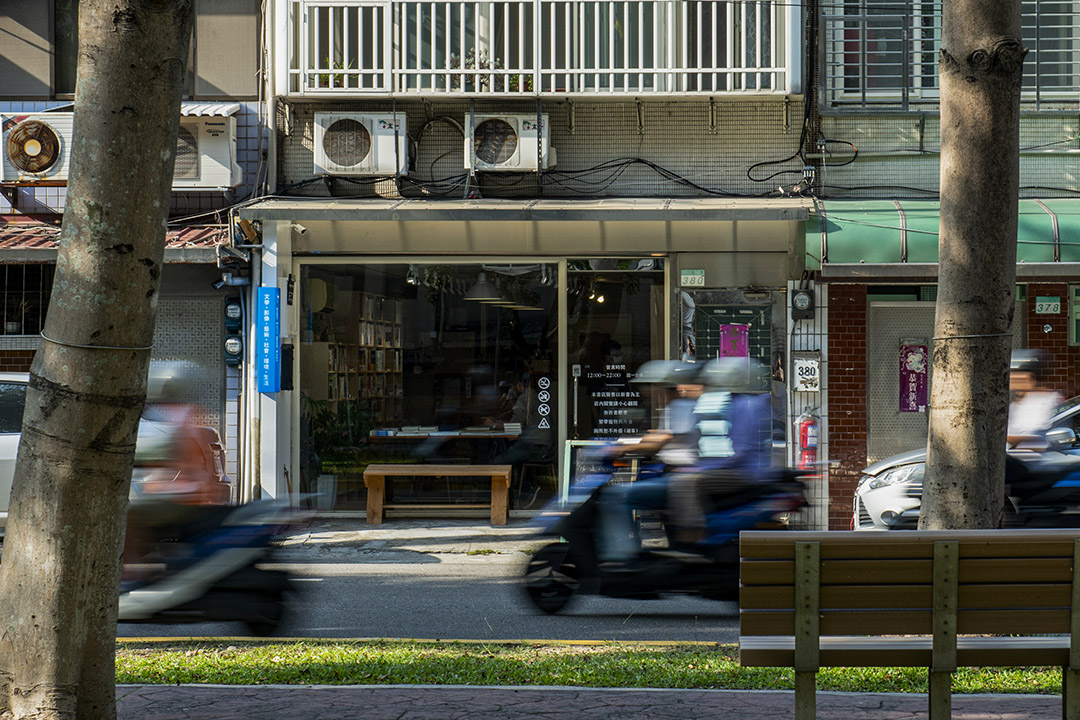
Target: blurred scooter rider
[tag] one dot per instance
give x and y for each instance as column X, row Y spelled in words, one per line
column 675, row 444
column 736, row 397
column 1032, row 408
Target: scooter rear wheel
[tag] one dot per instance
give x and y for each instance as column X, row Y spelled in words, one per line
column 552, row 577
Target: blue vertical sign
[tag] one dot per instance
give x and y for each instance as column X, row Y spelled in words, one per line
column 268, row 349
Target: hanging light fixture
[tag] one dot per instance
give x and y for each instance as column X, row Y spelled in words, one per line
column 483, row 290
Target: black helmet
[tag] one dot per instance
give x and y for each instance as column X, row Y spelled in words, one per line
column 1029, row 361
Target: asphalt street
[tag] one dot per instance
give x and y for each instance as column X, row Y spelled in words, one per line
column 448, row 579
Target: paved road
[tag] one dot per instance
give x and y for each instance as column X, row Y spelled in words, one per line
column 430, row 579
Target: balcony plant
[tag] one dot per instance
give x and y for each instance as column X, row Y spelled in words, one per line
column 480, row 78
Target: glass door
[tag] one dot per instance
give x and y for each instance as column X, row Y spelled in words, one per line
column 615, row 323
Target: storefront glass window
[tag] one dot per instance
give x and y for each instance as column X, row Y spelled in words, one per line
column 615, row 324
column 427, row 363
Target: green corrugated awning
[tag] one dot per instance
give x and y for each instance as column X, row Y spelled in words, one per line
column 901, row 233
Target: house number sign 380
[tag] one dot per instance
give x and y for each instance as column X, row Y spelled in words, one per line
column 807, row 373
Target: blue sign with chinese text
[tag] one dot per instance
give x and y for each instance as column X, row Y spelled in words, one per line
column 268, row 347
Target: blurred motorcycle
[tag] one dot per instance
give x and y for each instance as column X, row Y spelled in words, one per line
column 196, row 563
column 709, row 568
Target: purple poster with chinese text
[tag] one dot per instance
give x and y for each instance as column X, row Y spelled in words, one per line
column 734, row 341
column 914, row 366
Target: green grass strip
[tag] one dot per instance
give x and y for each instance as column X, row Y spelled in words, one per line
column 616, row 664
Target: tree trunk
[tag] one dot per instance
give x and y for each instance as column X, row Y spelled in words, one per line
column 980, row 70
column 61, row 563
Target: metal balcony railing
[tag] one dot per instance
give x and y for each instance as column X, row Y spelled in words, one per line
column 883, row 54
column 540, row 47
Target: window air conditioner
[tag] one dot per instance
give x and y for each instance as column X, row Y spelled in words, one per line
column 508, row 143
column 360, row 144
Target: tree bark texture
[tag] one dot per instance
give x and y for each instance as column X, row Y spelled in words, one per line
column 60, row 573
column 980, row 71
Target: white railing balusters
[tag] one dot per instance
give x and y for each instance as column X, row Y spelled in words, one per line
column 504, row 47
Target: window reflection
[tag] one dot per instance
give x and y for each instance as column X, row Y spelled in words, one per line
column 428, row 363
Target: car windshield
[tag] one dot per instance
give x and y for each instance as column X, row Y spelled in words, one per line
column 1067, row 405
column 12, row 401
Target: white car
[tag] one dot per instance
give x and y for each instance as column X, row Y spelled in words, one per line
column 12, row 402
column 206, row 466
column 889, row 493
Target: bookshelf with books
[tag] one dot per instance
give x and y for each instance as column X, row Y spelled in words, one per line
column 339, row 363
column 380, row 357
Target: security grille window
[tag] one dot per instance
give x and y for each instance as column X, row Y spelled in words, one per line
column 883, row 54
column 25, row 291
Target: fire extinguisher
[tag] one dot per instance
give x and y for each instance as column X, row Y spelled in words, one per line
column 807, row 426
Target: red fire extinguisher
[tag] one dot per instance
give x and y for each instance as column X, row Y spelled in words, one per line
column 807, row 425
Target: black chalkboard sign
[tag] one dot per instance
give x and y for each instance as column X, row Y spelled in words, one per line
column 576, row 460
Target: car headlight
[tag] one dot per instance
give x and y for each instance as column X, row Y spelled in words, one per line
column 902, row 474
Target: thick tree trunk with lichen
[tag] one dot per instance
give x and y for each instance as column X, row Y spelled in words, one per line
column 980, row 71
column 61, row 563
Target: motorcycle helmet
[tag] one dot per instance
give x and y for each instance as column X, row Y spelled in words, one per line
column 1029, row 361
column 173, row 381
column 734, row 374
column 665, row 372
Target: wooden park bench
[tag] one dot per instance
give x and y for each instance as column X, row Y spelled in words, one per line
column 375, row 480
column 939, row 600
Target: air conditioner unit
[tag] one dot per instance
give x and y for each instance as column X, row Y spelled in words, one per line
column 36, row 148
column 206, row 153
column 360, row 144
column 508, row 143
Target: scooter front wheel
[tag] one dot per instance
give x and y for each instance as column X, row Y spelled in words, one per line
column 552, row 577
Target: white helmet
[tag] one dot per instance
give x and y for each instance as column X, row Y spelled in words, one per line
column 734, row 374
column 173, row 381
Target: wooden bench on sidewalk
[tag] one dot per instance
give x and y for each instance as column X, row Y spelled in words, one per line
column 375, row 480
column 939, row 600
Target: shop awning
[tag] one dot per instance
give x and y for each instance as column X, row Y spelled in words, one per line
column 26, row 240
column 899, row 238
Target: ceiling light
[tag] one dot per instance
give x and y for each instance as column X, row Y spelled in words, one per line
column 483, row 290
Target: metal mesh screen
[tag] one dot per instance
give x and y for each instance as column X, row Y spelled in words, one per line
column 604, row 149
column 888, row 324
column 899, row 156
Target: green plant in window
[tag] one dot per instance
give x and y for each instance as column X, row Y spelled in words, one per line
column 334, row 79
column 337, row 427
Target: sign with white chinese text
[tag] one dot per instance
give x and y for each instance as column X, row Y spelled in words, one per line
column 914, row 376
column 268, row 340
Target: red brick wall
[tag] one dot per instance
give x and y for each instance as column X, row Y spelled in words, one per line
column 847, row 398
column 16, row 360
column 1063, row 362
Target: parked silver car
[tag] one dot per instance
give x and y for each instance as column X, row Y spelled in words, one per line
column 889, row 493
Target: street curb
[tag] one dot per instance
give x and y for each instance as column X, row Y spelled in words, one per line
column 418, row 641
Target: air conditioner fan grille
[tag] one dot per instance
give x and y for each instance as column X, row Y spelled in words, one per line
column 346, row 142
column 495, row 141
column 33, row 146
column 187, row 154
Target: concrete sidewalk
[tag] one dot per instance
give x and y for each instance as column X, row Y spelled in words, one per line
column 389, row 702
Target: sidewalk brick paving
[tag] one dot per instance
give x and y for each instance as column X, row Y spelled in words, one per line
column 275, row 702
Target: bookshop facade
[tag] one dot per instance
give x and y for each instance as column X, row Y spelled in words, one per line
column 491, row 332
